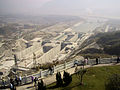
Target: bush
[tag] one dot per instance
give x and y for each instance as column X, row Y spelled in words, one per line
column 67, row 78
column 41, row 85
column 80, row 74
column 59, row 82
column 113, row 82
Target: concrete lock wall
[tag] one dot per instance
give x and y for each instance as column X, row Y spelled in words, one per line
column 29, row 51
column 63, row 38
column 74, row 38
column 47, row 57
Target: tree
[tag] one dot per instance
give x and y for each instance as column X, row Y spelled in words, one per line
column 41, row 85
column 113, row 82
column 80, row 74
column 67, row 78
column 59, row 80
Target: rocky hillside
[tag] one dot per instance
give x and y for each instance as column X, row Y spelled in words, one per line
column 109, row 43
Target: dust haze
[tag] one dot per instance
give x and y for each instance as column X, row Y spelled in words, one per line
column 60, row 7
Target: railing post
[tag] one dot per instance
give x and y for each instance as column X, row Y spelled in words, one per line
column 53, row 69
column 73, row 63
column 25, row 78
column 111, row 59
column 40, row 73
column 65, row 65
column 100, row 60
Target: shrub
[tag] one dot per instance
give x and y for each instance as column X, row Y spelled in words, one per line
column 67, row 78
column 59, row 81
column 80, row 74
column 113, row 82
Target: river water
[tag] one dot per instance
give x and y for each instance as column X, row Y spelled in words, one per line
column 88, row 25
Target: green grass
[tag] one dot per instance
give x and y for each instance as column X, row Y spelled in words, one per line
column 94, row 79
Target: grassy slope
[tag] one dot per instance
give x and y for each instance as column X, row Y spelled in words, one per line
column 94, row 79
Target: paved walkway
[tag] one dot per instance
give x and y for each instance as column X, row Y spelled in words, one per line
column 52, row 78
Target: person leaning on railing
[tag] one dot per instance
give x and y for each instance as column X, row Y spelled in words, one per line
column 117, row 59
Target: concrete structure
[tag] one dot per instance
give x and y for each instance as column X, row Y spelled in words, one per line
column 50, row 55
column 68, row 30
column 59, row 48
column 61, row 37
column 36, row 48
column 66, row 66
column 74, row 38
column 43, row 54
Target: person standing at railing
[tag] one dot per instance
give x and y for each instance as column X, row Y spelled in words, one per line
column 16, row 80
column 12, row 87
column 11, row 81
column 96, row 61
column 35, row 81
column 20, row 80
column 32, row 78
column 118, row 59
column 50, row 70
column 3, row 82
column 86, row 61
column 75, row 62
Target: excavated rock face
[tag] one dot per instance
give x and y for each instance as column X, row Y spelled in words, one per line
column 21, row 44
column 12, row 46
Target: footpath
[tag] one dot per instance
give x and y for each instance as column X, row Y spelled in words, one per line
column 52, row 78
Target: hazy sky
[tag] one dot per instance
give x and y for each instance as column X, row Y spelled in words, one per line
column 60, row 7
column 20, row 6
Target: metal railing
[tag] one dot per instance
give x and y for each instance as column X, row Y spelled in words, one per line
column 61, row 67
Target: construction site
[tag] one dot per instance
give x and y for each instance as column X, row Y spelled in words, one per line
column 41, row 51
